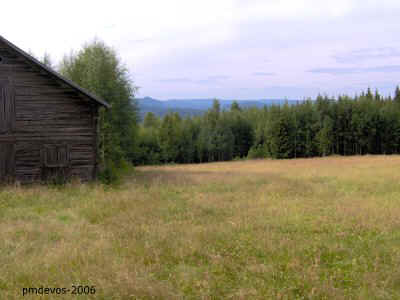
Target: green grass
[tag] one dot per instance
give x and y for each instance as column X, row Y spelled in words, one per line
column 292, row 229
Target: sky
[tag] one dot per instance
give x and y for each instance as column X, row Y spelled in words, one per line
column 226, row 49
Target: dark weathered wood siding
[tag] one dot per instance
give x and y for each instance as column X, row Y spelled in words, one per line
column 46, row 113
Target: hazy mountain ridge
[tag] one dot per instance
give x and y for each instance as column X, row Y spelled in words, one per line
column 192, row 107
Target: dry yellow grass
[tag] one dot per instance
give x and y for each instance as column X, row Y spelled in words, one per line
column 325, row 228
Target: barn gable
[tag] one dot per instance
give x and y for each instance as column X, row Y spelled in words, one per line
column 9, row 53
column 48, row 125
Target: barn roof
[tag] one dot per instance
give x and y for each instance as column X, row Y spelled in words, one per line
column 54, row 74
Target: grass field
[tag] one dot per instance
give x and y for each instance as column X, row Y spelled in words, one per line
column 325, row 228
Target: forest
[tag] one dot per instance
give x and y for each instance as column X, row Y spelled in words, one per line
column 368, row 123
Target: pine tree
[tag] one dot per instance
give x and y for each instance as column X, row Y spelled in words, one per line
column 151, row 120
column 324, row 137
column 397, row 95
column 377, row 96
column 369, row 95
column 170, row 137
column 235, row 106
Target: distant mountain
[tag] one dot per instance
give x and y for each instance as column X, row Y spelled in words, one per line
column 194, row 107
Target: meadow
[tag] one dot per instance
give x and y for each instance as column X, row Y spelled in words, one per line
column 321, row 228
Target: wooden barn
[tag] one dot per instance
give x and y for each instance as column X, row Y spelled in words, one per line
column 48, row 124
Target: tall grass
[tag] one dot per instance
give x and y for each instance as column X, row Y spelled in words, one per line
column 292, row 229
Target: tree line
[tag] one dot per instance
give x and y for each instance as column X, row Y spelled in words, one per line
column 365, row 124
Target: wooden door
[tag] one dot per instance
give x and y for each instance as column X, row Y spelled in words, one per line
column 7, row 161
column 7, row 139
column 7, row 107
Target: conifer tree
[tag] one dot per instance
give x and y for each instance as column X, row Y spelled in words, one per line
column 397, row 95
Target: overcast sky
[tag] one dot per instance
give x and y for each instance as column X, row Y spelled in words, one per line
column 241, row 49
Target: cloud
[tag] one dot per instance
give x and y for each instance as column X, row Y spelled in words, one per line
column 341, row 71
column 175, row 80
column 335, row 71
column 138, row 41
column 295, row 10
column 361, row 55
column 263, row 74
column 209, row 80
column 218, row 77
column 395, row 68
column 111, row 26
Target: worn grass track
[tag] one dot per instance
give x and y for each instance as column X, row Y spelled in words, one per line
column 325, row 228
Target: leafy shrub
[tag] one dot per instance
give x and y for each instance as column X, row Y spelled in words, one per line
column 258, row 151
column 112, row 173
